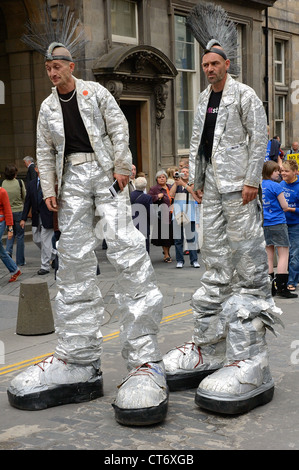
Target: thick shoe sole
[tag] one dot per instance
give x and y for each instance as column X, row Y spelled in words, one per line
column 186, row 381
column 141, row 416
column 61, row 395
column 225, row 405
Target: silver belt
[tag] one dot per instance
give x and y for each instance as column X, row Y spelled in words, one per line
column 79, row 158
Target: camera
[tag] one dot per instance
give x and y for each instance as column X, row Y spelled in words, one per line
column 177, row 174
column 114, row 188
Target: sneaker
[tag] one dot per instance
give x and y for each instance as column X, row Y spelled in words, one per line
column 15, row 276
column 179, row 264
column 53, row 382
column 188, row 364
column 142, row 398
column 196, row 264
column 237, row 387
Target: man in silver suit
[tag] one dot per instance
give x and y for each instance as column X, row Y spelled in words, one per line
column 227, row 358
column 83, row 145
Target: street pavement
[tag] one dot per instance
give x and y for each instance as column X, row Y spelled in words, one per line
column 187, row 428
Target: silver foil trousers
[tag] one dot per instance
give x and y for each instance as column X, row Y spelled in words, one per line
column 235, row 287
column 79, row 303
column 233, row 306
column 73, row 374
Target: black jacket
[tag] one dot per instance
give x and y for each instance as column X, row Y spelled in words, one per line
column 39, row 208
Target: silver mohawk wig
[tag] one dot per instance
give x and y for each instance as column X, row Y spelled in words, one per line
column 211, row 26
column 44, row 33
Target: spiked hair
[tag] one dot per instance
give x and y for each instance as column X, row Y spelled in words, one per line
column 44, row 34
column 210, row 25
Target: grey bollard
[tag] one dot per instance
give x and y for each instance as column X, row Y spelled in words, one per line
column 35, row 316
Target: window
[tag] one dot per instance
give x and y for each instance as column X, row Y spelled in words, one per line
column 279, row 62
column 124, row 24
column 185, row 48
column 280, row 117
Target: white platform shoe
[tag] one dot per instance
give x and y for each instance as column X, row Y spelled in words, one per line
column 53, row 382
column 237, row 387
column 142, row 398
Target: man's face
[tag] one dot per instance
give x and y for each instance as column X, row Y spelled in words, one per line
column 215, row 67
column 295, row 146
column 185, row 173
column 60, row 73
column 133, row 172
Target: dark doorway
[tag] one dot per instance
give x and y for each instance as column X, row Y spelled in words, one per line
column 131, row 110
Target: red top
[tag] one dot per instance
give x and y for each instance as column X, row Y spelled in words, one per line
column 5, row 209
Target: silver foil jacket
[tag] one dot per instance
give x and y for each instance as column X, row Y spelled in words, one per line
column 240, row 139
column 106, row 126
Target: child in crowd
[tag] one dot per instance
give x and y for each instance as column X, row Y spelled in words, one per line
column 275, row 228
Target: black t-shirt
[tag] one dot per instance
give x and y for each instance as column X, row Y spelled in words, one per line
column 210, row 123
column 76, row 137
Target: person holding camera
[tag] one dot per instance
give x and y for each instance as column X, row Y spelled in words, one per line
column 184, row 217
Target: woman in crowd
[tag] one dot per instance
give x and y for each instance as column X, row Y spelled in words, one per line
column 16, row 192
column 162, row 231
column 170, row 172
column 290, row 186
column 6, row 220
column 275, row 228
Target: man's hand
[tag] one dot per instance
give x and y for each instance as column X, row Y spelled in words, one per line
column 51, row 203
column 199, row 195
column 249, row 193
column 9, row 235
column 122, row 180
column 22, row 224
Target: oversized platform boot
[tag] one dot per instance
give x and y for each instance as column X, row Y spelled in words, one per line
column 245, row 380
column 142, row 398
column 238, row 387
column 188, row 364
column 53, row 382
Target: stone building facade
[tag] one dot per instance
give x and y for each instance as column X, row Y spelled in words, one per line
column 142, row 52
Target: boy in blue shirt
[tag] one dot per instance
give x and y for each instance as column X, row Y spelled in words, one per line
column 290, row 186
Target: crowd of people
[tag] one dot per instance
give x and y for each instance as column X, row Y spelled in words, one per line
column 172, row 216
column 280, row 200
column 20, row 201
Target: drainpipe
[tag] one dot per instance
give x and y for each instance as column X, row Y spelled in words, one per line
column 266, row 77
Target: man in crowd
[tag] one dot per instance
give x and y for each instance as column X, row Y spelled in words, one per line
column 184, row 218
column 42, row 222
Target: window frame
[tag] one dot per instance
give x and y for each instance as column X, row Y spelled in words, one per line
column 195, row 85
column 280, row 62
column 281, row 120
column 126, row 39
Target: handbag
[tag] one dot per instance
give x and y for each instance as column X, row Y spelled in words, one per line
column 182, row 217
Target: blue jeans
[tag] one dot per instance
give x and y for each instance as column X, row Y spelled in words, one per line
column 293, row 231
column 178, row 235
column 18, row 233
column 9, row 263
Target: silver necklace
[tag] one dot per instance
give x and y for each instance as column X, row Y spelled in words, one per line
column 65, row 101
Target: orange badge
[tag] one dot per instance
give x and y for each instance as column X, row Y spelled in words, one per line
column 85, row 92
